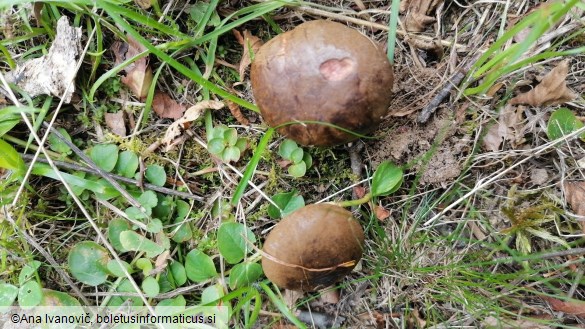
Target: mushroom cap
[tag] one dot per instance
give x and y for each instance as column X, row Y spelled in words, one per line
column 313, row 247
column 322, row 71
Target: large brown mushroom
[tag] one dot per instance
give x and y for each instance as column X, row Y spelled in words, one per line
column 313, row 247
column 326, row 72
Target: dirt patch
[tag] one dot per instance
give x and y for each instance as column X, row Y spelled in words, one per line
column 408, row 143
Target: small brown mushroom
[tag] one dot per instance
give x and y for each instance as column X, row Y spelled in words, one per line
column 313, row 247
column 324, row 72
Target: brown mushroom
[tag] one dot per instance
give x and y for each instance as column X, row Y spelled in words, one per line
column 313, row 247
column 325, row 72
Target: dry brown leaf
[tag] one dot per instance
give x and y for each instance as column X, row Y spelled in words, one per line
column 192, row 114
column 573, row 306
column 381, row 212
column 138, row 74
column 251, row 45
column 575, row 195
column 161, row 262
column 144, row 4
column 550, row 91
column 359, row 191
column 417, row 12
column 509, row 127
column 237, row 113
column 115, row 121
column 166, row 107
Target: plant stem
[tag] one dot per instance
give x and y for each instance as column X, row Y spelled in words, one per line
column 350, row 203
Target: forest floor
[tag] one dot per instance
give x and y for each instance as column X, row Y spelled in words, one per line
column 137, row 191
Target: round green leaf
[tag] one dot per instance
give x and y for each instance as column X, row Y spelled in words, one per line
column 244, row 274
column 179, row 273
column 105, row 156
column 308, row 160
column 125, row 286
column 127, row 164
column 8, row 295
column 148, row 199
column 117, row 270
column 297, row 170
column 115, row 227
column 30, row 295
column 150, row 287
column 57, row 145
column 183, row 232
column 27, row 271
column 287, row 202
column 156, row 175
column 199, row 267
column 230, row 136
column 131, row 240
column 58, row 298
column 563, row 122
column 286, row 148
column 145, row 265
column 88, row 263
column 216, row 146
column 212, row 294
column 154, row 225
column 297, row 155
column 230, row 154
column 241, row 144
column 231, row 243
column 387, row 179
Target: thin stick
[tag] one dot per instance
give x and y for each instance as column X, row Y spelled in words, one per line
column 377, row 26
column 127, row 180
column 453, row 82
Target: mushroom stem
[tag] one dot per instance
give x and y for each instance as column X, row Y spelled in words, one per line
column 350, row 203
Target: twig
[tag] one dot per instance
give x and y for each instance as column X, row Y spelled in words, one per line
column 107, row 176
column 149, row 186
column 453, row 82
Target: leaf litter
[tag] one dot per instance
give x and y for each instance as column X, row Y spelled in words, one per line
column 166, row 107
column 193, row 113
column 552, row 90
column 138, row 76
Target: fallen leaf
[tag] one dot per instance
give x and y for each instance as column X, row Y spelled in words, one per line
column 575, row 195
column 192, row 114
column 115, row 121
column 251, row 45
column 161, row 262
column 551, row 90
column 144, row 4
column 381, row 212
column 237, row 113
column 359, row 191
column 53, row 73
column 417, row 12
column 508, row 127
column 138, row 76
column 573, row 306
column 166, row 107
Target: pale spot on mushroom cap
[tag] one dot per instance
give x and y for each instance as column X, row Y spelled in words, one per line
column 337, row 69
